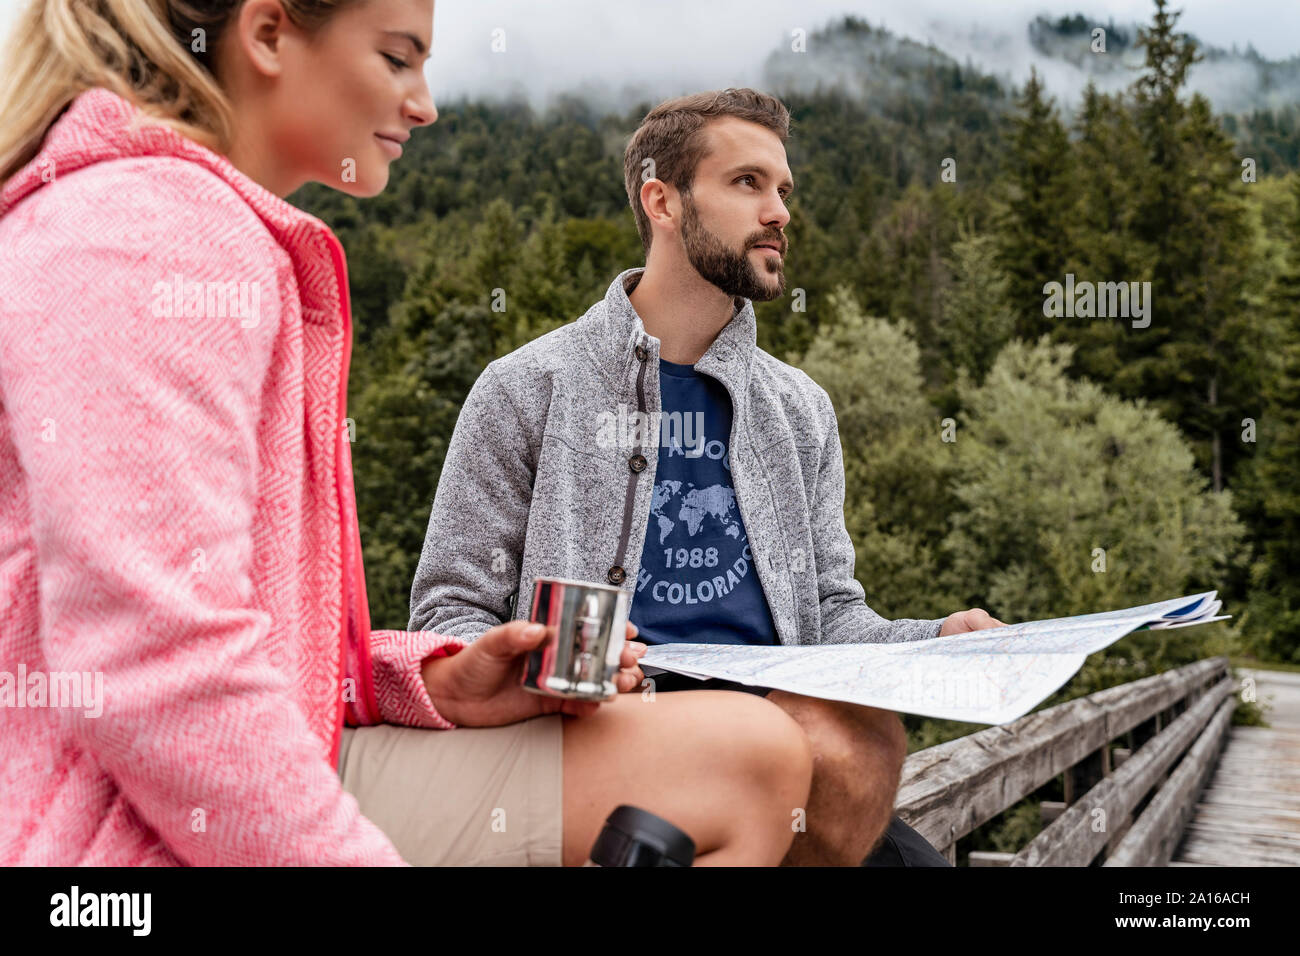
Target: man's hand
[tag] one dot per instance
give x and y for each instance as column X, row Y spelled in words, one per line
column 975, row 619
column 479, row 686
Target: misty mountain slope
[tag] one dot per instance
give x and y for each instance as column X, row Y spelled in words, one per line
column 1234, row 81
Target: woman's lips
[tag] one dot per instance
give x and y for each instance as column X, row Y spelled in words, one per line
column 391, row 146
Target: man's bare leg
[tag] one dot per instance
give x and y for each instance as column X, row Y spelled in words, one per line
column 727, row 768
column 857, row 760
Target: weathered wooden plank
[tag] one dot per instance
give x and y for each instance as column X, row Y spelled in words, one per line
column 1264, row 764
column 1074, row 839
column 1272, row 746
column 1275, row 746
column 988, row 858
column 1269, row 759
column 1243, row 797
column 1248, row 731
column 1262, row 776
column 1261, row 771
column 1196, row 850
column 1259, row 766
column 1118, row 832
column 1257, row 742
column 1281, row 818
column 948, row 790
column 1244, row 831
column 1289, row 734
column 1152, row 840
column 1227, row 858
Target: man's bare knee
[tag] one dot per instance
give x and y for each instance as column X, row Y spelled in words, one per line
column 847, row 731
column 888, row 729
column 857, row 758
column 787, row 751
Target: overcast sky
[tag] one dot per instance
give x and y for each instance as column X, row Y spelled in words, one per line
column 668, row 47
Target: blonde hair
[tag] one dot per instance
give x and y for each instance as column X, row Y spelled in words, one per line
column 157, row 54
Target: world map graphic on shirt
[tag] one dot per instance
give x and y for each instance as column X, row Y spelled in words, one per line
column 693, row 507
column 696, row 549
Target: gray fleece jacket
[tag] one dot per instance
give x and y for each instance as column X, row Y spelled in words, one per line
column 547, row 475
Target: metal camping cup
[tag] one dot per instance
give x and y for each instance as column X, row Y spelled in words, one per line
column 586, row 626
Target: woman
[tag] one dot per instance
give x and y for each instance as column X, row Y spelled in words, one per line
column 178, row 535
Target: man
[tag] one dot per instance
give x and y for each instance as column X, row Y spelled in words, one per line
column 653, row 445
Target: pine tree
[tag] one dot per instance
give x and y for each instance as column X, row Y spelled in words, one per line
column 977, row 319
column 1034, row 234
column 1274, row 485
column 1160, row 201
column 1223, row 330
column 1109, row 168
column 494, row 260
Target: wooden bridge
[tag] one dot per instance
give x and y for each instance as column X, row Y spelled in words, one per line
column 1148, row 780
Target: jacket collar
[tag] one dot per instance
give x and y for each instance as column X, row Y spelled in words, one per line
column 100, row 126
column 614, row 330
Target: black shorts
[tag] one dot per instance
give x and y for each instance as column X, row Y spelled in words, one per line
column 669, row 681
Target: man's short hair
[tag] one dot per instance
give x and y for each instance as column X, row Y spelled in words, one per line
column 672, row 136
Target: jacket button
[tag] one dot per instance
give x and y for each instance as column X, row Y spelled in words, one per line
column 616, row 575
column 637, row 462
column 641, row 353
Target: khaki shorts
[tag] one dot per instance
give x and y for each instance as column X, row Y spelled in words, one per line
column 473, row 796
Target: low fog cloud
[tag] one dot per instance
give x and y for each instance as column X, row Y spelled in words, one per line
column 617, row 53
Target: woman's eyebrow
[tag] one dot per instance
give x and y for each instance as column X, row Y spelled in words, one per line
column 411, row 38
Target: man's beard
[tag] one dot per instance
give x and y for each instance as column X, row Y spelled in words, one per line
column 730, row 271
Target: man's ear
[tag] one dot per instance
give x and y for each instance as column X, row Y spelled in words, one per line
column 260, row 31
column 661, row 203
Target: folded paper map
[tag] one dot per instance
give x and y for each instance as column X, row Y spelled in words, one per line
column 991, row 676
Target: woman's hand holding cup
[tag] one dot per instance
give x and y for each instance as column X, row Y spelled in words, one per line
column 479, row 686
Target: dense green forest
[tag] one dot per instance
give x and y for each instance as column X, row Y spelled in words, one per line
column 995, row 456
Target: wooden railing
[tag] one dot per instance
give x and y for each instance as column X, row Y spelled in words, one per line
column 1115, row 749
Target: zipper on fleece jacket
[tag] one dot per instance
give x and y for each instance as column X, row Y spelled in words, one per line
column 355, row 627
column 618, row 573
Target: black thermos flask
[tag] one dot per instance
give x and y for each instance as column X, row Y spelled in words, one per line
column 633, row 837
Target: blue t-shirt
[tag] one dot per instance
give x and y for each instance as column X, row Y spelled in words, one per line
column 697, row 582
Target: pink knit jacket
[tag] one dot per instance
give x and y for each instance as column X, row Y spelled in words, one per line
column 177, row 520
